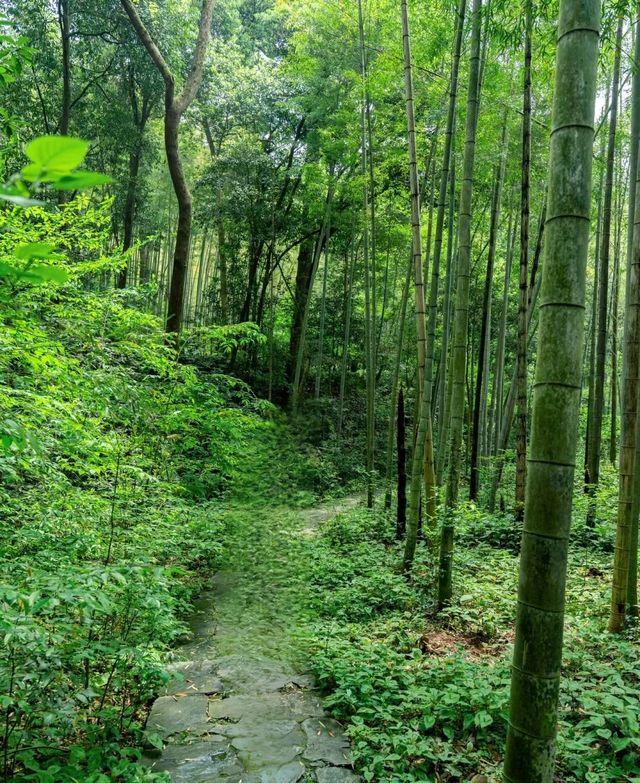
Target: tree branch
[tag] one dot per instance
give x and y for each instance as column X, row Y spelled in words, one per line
column 149, row 44
column 96, row 80
column 194, row 78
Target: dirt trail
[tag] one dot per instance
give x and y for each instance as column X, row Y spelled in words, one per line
column 240, row 710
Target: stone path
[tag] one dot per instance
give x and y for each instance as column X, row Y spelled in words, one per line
column 242, row 717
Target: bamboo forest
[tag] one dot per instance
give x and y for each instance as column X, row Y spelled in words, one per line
column 319, row 391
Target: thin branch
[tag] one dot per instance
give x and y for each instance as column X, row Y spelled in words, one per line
column 149, row 44
column 96, row 80
column 41, row 99
column 197, row 65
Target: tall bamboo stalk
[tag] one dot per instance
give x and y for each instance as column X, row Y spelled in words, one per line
column 537, row 657
column 369, row 317
column 521, row 448
column 595, row 431
column 424, row 417
column 624, row 589
column 485, row 332
column 461, row 320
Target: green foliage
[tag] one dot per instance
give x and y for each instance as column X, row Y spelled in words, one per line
column 112, row 452
column 427, row 700
column 54, row 160
column 77, row 661
column 600, row 731
column 411, row 715
column 347, row 586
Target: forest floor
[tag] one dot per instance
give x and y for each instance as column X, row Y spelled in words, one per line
column 241, row 708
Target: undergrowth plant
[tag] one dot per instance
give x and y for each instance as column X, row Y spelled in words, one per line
column 425, row 697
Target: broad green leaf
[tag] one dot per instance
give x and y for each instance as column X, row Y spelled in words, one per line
column 57, row 154
column 55, row 274
column 155, row 740
column 483, row 719
column 33, row 172
column 81, row 180
column 41, row 274
column 39, row 250
column 620, row 743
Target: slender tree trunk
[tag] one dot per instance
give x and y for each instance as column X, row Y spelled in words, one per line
column 424, row 415
column 485, row 333
column 394, row 385
column 446, row 164
column 497, row 396
column 429, row 187
column 210, row 275
column 373, row 255
column 624, row 593
column 140, row 113
column 535, row 675
column 323, row 310
column 632, row 580
column 299, row 335
column 254, row 255
column 595, row 430
column 401, row 513
column 347, row 330
column 222, row 265
column 444, row 393
column 308, row 261
column 201, row 276
column 521, row 448
column 461, row 321
column 302, row 290
column 509, row 408
column 385, row 290
column 272, row 323
column 175, row 106
column 430, row 467
column 592, row 336
column 183, row 230
column 370, row 314
column 615, row 302
column 64, row 22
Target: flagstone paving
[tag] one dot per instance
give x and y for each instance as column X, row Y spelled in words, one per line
column 244, row 717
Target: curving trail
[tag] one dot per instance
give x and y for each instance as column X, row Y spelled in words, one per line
column 241, row 709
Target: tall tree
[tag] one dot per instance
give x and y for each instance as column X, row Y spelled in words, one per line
column 444, row 387
column 535, row 677
column 401, row 511
column 498, row 376
column 430, row 468
column 593, row 329
column 141, row 99
column 394, row 395
column 634, row 162
column 369, row 274
column 615, row 307
column 624, row 590
column 175, row 106
column 461, row 319
column 485, row 332
column 521, row 449
column 424, row 408
column 64, row 23
column 595, row 428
